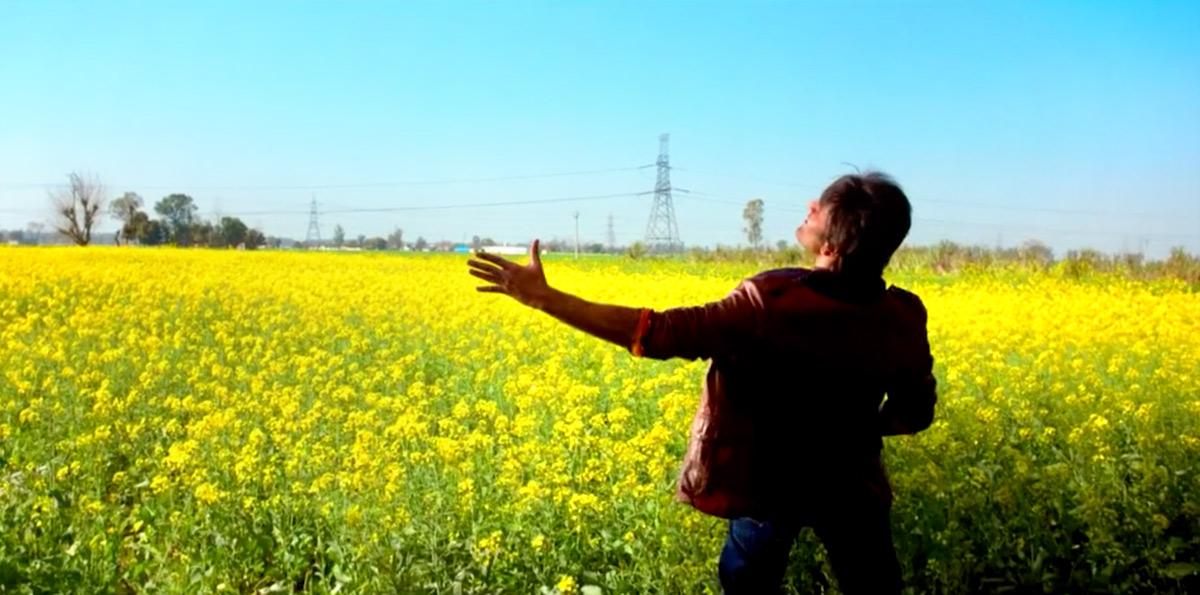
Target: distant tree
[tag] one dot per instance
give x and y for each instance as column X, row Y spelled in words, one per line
column 362, row 239
column 753, row 214
column 781, row 245
column 124, row 209
column 180, row 212
column 487, row 242
column 476, row 242
column 1035, row 252
column 152, row 232
column 1182, row 265
column 339, row 235
column 255, row 238
column 637, row 250
column 395, row 239
column 232, row 232
column 203, row 233
column 134, row 230
column 77, row 208
column 375, row 243
column 420, row 244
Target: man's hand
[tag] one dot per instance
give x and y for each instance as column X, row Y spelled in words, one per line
column 526, row 284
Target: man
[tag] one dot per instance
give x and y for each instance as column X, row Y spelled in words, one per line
column 790, row 425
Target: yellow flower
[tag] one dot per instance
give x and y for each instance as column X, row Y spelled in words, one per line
column 159, row 484
column 489, row 545
column 369, row 391
column 566, row 584
column 207, row 493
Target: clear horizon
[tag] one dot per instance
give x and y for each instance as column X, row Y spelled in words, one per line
column 1076, row 124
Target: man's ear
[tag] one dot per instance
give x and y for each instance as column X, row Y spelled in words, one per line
column 828, row 250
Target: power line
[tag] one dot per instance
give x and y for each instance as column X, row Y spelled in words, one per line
column 400, row 183
column 507, row 203
column 482, row 204
column 1034, row 228
column 1007, row 227
column 431, row 182
column 694, row 195
column 804, row 209
column 749, row 178
column 1044, row 209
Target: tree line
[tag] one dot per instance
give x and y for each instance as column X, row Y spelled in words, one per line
column 79, row 207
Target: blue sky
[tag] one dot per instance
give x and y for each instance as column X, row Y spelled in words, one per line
column 1074, row 123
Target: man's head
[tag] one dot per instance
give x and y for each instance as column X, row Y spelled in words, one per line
column 857, row 224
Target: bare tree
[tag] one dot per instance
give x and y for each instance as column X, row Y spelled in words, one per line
column 77, row 208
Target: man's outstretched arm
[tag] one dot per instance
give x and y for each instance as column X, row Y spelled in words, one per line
column 527, row 284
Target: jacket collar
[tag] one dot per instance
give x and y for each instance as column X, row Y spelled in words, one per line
column 845, row 287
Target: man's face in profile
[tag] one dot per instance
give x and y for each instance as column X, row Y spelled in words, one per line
column 811, row 233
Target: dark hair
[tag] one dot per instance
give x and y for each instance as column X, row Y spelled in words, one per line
column 869, row 215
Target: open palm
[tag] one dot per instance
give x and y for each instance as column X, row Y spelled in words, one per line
column 524, row 283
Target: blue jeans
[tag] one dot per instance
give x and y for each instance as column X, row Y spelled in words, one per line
column 858, row 543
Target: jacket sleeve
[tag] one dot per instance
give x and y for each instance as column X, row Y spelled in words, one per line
column 912, row 393
column 702, row 332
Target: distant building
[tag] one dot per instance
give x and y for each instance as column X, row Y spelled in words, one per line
column 506, row 249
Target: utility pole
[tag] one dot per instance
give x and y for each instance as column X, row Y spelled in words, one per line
column 612, row 235
column 662, row 233
column 576, row 235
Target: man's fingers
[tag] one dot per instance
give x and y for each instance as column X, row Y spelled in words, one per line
column 489, row 277
column 483, row 266
column 489, row 289
column 496, row 260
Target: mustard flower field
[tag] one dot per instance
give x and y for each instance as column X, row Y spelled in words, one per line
column 176, row 421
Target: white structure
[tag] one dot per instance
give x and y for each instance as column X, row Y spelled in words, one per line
column 507, row 249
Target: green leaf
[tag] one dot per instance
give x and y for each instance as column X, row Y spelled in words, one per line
column 1178, row 570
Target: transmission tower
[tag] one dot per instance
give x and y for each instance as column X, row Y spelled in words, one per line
column 612, row 235
column 662, row 233
column 314, row 230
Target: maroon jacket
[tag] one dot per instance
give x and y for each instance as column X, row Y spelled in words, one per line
column 791, row 415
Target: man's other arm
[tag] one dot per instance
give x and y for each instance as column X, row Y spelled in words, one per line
column 913, row 394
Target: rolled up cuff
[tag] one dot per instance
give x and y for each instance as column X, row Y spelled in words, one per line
column 637, row 348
